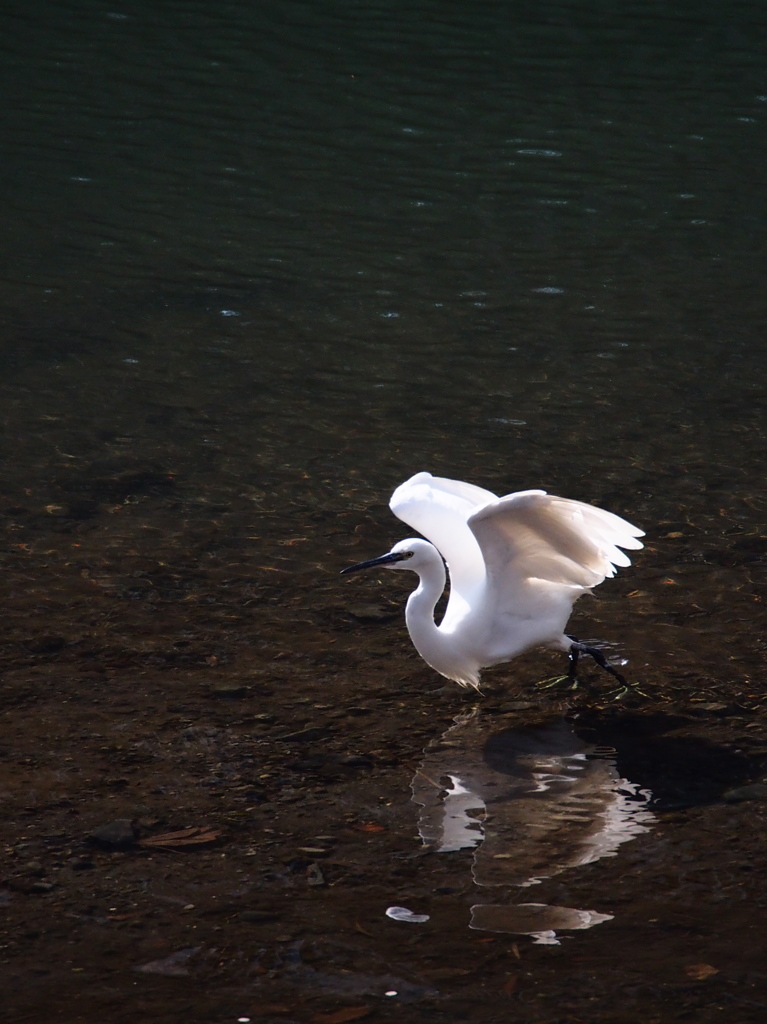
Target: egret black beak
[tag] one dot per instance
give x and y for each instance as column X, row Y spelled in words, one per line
column 393, row 556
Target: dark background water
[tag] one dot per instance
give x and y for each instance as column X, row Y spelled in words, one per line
column 260, row 263
column 294, row 254
column 436, row 200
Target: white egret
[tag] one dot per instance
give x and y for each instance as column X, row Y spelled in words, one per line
column 517, row 565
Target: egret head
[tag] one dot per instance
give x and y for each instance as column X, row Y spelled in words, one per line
column 414, row 554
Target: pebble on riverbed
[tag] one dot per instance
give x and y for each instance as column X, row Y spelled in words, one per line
column 116, row 835
column 756, row 791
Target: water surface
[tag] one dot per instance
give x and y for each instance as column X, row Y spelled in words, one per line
column 261, row 264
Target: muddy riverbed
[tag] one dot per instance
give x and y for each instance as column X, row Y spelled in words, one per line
column 208, row 747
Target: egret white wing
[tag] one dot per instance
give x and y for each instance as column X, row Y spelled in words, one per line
column 439, row 508
column 535, row 535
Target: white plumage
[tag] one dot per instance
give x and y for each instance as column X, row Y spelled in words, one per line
column 517, row 565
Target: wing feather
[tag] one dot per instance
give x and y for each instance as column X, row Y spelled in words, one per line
column 439, row 509
column 534, row 535
column 514, row 545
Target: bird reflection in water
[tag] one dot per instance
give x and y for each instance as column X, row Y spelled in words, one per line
column 534, row 801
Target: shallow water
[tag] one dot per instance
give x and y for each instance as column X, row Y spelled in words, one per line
column 260, row 266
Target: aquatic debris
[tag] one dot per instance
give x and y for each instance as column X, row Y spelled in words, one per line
column 343, row 1015
column 194, row 836
column 511, row 984
column 699, row 972
column 403, row 914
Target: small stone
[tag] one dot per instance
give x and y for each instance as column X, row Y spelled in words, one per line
column 756, row 791
column 314, row 875
column 258, row 916
column 446, row 973
column 171, row 966
column 150, row 821
column 372, row 612
column 116, row 835
column 229, row 691
column 46, row 644
column 81, row 864
column 41, row 887
column 33, row 867
column 358, row 761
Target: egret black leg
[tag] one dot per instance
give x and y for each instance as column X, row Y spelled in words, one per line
column 577, row 648
column 572, row 658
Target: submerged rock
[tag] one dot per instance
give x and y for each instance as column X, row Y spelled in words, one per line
column 115, row 835
column 756, row 791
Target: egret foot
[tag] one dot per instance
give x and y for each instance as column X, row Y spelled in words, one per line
column 577, row 648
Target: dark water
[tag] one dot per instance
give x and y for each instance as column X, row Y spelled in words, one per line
column 262, row 263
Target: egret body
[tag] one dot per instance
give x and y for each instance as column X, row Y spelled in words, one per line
column 517, row 565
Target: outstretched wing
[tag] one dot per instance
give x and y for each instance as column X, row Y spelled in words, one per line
column 439, row 509
column 534, row 535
